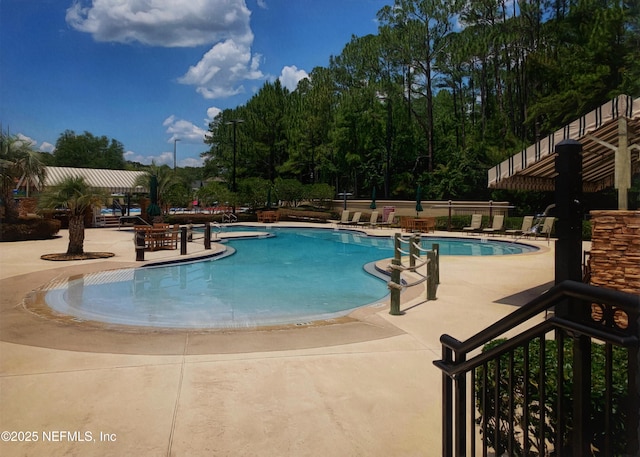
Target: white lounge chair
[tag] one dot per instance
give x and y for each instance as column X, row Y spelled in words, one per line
column 373, row 220
column 356, row 218
column 344, row 220
column 527, row 222
column 496, row 227
column 391, row 218
column 476, row 223
column 547, row 225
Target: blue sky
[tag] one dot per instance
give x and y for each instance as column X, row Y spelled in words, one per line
column 145, row 72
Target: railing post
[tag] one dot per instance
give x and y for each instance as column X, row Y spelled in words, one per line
column 436, row 249
column 460, row 409
column 183, row 241
column 581, row 437
column 396, row 247
column 633, row 418
column 413, row 250
column 207, row 235
column 139, row 246
column 432, row 268
column 447, row 406
column 395, row 287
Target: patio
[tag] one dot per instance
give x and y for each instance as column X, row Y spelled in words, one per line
column 364, row 385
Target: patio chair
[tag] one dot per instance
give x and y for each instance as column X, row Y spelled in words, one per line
column 547, row 225
column 476, row 223
column 497, row 226
column 391, row 218
column 373, row 220
column 344, row 220
column 527, row 222
column 356, row 218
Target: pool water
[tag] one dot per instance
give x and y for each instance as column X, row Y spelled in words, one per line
column 296, row 276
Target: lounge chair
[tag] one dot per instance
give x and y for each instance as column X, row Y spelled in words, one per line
column 476, row 223
column 547, row 225
column 497, row 226
column 391, row 218
column 344, row 220
column 356, row 218
column 373, row 220
column 527, row 222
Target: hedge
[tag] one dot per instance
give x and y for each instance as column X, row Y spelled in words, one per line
column 29, row 229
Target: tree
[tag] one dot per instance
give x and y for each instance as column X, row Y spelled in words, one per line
column 77, row 197
column 421, row 26
column 214, row 193
column 88, row 151
column 168, row 185
column 17, row 160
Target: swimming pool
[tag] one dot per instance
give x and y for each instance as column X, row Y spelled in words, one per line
column 296, row 276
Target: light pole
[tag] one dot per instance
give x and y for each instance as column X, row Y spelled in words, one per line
column 235, row 123
column 175, row 140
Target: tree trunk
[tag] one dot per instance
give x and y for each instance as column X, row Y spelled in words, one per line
column 76, row 235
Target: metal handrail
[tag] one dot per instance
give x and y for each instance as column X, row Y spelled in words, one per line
column 572, row 318
column 138, row 219
column 548, row 300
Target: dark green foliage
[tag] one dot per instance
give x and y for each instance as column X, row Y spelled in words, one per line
column 88, row 151
column 424, row 102
column 487, row 408
column 29, row 229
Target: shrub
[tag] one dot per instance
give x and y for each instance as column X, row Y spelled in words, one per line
column 29, row 229
column 486, row 407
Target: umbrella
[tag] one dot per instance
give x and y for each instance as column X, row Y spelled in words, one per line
column 418, row 198
column 153, row 209
column 373, row 199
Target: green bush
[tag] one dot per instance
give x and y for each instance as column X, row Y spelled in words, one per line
column 29, row 229
column 487, row 408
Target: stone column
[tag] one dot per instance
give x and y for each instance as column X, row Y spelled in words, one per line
column 615, row 250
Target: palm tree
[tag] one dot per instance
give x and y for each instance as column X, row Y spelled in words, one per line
column 17, row 160
column 165, row 179
column 77, row 196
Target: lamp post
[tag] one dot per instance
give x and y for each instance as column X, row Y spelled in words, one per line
column 235, row 123
column 175, row 140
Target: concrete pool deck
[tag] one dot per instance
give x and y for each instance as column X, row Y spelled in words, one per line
column 359, row 386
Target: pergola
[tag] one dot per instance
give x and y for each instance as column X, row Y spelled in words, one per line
column 610, row 138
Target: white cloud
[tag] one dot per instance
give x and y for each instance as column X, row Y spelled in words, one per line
column 190, row 162
column 263, row 4
column 211, row 114
column 44, row 147
column 290, row 76
column 164, row 158
column 184, row 131
column 166, row 23
column 26, row 140
column 47, row 147
column 181, row 23
column 222, row 68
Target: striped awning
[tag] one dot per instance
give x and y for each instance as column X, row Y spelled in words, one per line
column 113, row 181
column 608, row 134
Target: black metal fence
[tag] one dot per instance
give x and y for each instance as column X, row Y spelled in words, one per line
column 566, row 386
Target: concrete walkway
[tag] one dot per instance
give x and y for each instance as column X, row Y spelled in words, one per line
column 360, row 386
